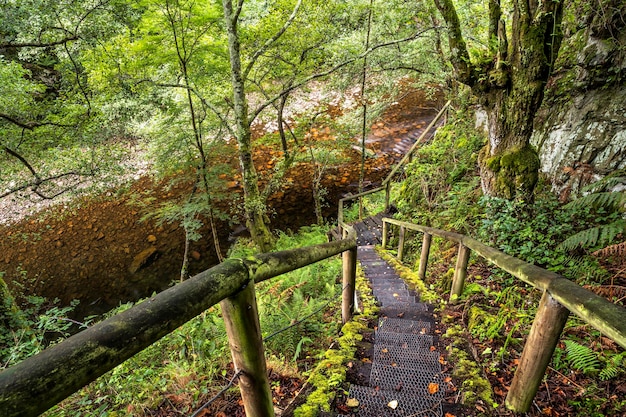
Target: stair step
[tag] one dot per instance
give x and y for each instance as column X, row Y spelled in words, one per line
column 378, row 403
column 399, row 325
column 418, row 381
column 392, row 299
column 405, row 341
column 390, row 354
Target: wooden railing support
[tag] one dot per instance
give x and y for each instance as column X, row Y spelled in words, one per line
column 401, row 239
column 424, row 256
column 542, row 339
column 385, row 232
column 246, row 347
column 348, row 284
column 387, row 195
column 460, row 273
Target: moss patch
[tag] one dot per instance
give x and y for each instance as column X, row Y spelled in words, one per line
column 475, row 388
column 330, row 373
column 410, row 276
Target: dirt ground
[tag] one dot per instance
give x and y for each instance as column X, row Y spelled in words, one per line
column 85, row 250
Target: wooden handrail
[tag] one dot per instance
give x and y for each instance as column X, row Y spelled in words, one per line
column 560, row 297
column 43, row 380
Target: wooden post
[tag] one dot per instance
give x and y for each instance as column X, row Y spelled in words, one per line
column 542, row 339
column 387, row 195
column 401, row 243
column 340, row 216
column 460, row 273
column 424, row 257
column 385, row 233
column 348, row 285
column 246, row 346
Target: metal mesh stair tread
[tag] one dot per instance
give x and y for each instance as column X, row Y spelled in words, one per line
column 375, row 403
column 418, row 382
column 391, row 299
column 400, row 325
column 392, row 354
column 390, row 286
column 394, row 292
column 404, row 339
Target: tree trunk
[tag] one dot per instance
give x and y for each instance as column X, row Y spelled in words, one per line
column 510, row 87
column 254, row 206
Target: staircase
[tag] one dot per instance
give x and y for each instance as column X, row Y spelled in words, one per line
column 406, row 377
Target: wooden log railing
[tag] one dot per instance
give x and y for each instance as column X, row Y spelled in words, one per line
column 560, row 297
column 43, row 380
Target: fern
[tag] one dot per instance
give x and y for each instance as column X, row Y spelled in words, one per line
column 610, row 200
column 618, row 249
column 599, row 235
column 614, row 366
column 582, row 357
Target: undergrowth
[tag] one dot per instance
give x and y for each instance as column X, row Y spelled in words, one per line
column 441, row 190
column 185, row 368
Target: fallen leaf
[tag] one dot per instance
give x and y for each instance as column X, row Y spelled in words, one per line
column 400, row 315
column 449, row 415
column 384, row 350
column 393, row 404
column 433, row 388
column 352, row 402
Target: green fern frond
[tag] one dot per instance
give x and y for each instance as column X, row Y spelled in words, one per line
column 614, row 367
column 599, row 235
column 607, row 199
column 607, row 183
column 582, row 357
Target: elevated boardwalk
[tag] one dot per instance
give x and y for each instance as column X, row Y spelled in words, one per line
column 406, row 377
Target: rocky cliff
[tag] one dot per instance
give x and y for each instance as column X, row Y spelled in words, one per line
column 580, row 131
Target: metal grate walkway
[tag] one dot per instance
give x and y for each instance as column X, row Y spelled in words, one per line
column 406, row 377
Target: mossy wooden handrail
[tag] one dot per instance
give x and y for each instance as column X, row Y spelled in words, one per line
column 41, row 381
column 600, row 313
column 560, row 296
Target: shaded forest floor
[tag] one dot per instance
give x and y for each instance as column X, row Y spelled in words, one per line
column 88, row 249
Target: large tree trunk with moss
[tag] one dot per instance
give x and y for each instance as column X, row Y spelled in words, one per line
column 254, row 206
column 509, row 85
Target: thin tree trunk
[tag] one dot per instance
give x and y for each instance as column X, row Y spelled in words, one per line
column 254, row 207
column 364, row 104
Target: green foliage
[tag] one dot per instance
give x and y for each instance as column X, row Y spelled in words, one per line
column 441, row 185
column 532, row 232
column 582, row 357
column 605, row 365
column 28, row 329
column 607, row 200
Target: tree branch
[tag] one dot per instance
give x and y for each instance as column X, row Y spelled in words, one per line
column 197, row 94
column 322, row 74
column 458, row 49
column 270, row 41
column 38, row 44
column 23, row 161
column 30, row 125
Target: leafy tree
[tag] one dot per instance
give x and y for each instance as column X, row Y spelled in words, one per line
column 49, row 118
column 508, row 76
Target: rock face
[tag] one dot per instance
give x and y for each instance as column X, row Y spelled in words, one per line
column 583, row 140
column 580, row 131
